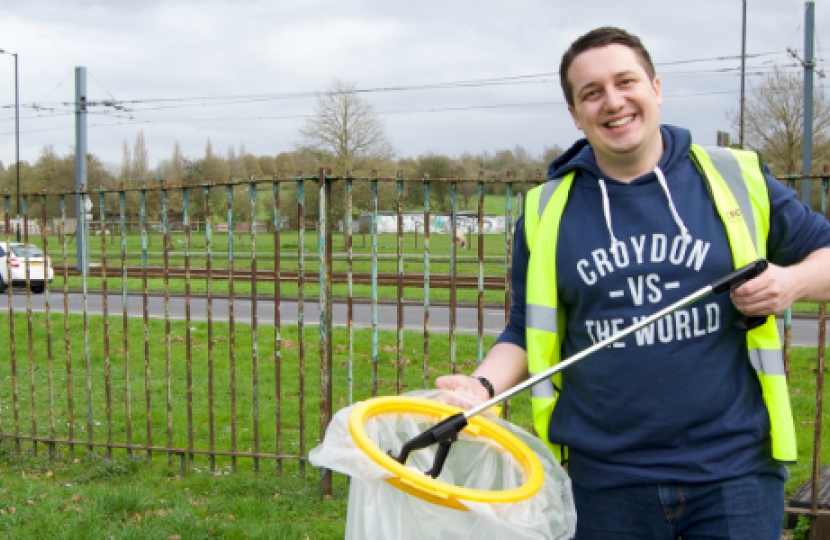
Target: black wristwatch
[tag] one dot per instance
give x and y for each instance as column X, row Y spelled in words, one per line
column 486, row 384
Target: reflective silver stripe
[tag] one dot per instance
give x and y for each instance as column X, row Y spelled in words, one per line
column 543, row 389
column 547, row 192
column 727, row 165
column 767, row 361
column 541, row 318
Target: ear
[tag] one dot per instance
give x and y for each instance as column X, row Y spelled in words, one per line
column 655, row 84
column 575, row 118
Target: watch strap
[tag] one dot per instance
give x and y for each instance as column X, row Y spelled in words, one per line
column 486, row 384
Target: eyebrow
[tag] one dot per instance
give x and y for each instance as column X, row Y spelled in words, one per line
column 589, row 84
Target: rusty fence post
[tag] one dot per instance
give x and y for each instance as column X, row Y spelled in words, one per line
column 822, row 339
column 324, row 247
column 425, row 367
column 399, row 282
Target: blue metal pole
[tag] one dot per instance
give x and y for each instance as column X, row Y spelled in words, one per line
column 809, row 64
column 743, row 75
column 80, row 167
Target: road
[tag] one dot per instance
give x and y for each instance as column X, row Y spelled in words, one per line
column 804, row 330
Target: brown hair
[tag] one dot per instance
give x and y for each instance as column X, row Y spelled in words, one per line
column 598, row 38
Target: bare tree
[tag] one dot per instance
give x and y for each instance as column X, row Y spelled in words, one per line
column 346, row 126
column 126, row 162
column 774, row 121
column 177, row 162
column 141, row 158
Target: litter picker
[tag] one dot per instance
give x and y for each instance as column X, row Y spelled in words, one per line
column 446, row 432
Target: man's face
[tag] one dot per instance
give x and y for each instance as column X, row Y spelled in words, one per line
column 617, row 107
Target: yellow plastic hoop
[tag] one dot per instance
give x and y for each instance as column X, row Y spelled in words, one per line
column 422, row 486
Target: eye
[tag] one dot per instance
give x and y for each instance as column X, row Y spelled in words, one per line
column 590, row 95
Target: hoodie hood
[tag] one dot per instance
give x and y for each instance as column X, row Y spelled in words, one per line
column 580, row 158
column 677, row 143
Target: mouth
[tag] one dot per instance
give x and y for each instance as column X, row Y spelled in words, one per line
column 620, row 122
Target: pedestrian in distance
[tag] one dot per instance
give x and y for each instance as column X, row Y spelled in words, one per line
column 684, row 428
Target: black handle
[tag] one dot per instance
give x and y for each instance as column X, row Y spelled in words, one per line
column 735, row 280
column 732, row 281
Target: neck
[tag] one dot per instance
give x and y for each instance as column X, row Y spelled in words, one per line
column 634, row 164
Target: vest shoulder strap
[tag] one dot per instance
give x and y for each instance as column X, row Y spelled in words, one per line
column 537, row 202
column 737, row 182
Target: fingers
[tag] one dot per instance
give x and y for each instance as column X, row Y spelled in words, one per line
column 462, row 384
column 458, row 391
column 461, row 398
column 455, row 382
column 767, row 294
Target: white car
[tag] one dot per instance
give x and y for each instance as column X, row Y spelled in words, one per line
column 16, row 259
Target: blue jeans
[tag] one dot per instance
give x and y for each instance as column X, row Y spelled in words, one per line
column 746, row 508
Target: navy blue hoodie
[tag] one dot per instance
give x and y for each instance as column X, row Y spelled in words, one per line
column 678, row 401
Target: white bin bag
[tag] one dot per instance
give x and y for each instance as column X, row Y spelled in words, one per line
column 379, row 511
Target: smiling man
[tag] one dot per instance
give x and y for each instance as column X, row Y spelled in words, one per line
column 682, row 429
column 617, row 109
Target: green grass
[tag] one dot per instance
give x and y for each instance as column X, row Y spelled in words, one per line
column 60, row 408
column 802, row 382
column 494, row 263
column 494, row 254
column 94, row 495
column 127, row 498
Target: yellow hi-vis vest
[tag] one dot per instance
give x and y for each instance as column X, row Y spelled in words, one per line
column 738, row 188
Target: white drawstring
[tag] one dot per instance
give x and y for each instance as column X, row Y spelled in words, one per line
column 683, row 230
column 606, row 209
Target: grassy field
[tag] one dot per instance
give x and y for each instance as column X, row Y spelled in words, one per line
column 412, row 245
column 93, row 495
column 81, row 495
column 232, row 383
column 127, row 498
column 494, row 256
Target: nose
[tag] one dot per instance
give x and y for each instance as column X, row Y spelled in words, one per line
column 614, row 99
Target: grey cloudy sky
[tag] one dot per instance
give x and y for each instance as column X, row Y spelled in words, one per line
column 244, row 72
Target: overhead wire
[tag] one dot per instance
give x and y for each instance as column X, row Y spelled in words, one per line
column 468, row 83
column 228, row 100
column 381, row 113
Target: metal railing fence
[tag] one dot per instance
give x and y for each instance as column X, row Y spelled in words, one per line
column 190, row 337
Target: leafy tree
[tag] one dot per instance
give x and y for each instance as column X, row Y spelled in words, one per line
column 250, row 166
column 437, row 167
column 346, row 127
column 285, row 164
column 267, row 165
column 549, row 154
column 53, row 174
column 8, row 187
column 213, row 169
column 172, row 172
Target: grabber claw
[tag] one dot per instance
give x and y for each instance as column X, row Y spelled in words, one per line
column 443, row 433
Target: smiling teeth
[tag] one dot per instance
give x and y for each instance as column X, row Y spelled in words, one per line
column 620, row 122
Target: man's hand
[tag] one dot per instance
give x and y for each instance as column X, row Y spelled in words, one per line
column 463, row 384
column 772, row 292
column 504, row 366
column 778, row 287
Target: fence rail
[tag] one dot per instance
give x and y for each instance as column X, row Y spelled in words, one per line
column 216, row 388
